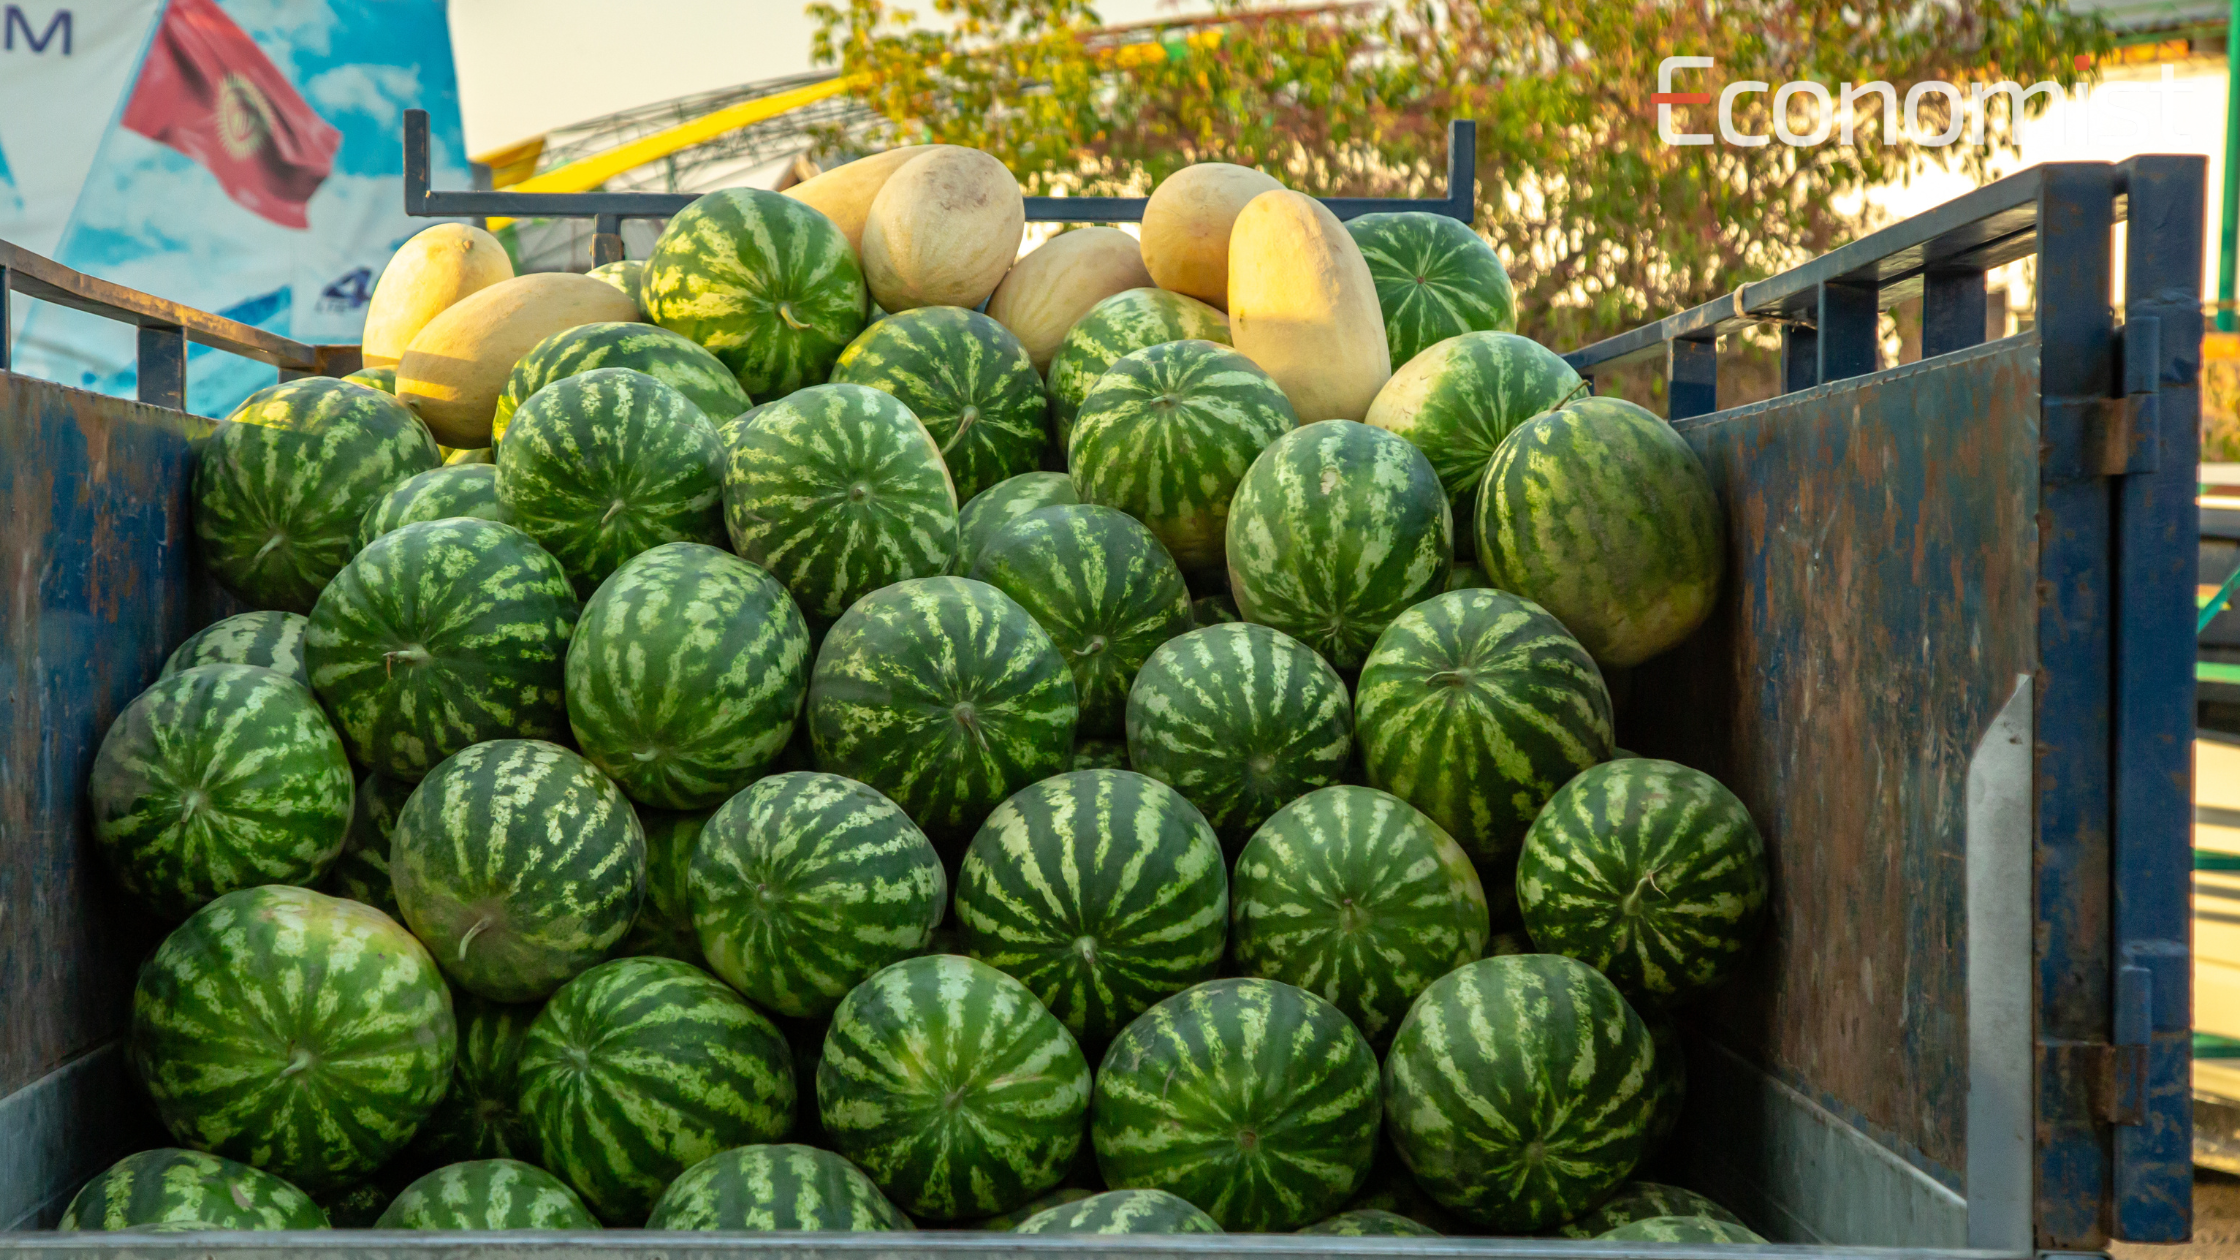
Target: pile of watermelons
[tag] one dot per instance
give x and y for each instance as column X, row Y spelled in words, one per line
column 854, row 728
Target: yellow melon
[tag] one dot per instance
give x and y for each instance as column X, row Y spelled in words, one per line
column 844, row 194
column 1057, row 283
column 943, row 230
column 1186, row 227
column 455, row 369
column 1303, row 306
column 432, row 272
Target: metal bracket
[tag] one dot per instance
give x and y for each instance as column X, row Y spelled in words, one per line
column 2110, row 437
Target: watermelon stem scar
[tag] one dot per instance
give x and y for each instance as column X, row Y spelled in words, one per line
column 269, row 544
column 471, row 933
column 413, row 654
column 785, row 312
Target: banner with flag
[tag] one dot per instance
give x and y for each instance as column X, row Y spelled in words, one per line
column 243, row 156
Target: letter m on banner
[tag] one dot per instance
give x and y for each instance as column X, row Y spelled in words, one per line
column 18, row 21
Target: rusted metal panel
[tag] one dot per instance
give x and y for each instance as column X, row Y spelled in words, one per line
column 1880, row 600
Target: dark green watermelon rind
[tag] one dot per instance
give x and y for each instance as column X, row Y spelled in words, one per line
column 1371, row 1223
column 664, row 927
column 967, row 379
column 362, row 872
column 487, row 1194
column 480, row 1116
column 985, row 514
column 437, row 494
column 1460, row 397
column 1640, row 1201
column 775, row 1187
column 1129, row 320
column 1435, row 279
column 1682, row 1229
column 181, row 1187
column 1121, row 1212
column 267, row 640
column 673, row 360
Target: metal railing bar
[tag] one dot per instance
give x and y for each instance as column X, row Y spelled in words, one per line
column 37, row 277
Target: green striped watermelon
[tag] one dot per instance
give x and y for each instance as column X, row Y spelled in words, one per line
column 805, row 884
column 767, row 283
column 1240, row 719
column 1371, row 1223
column 1354, row 896
column 362, row 872
column 217, row 778
column 301, row 1033
column 765, row 1188
column 1520, row 1090
column 1601, row 514
column 1474, row 707
column 664, row 923
column 1390, row 1187
column 487, row 1194
column 480, row 1116
column 1467, row 577
column 279, row 489
column 685, row 675
column 838, row 490
column 381, row 378
column 1641, row 1201
column 519, row 864
column 642, row 1067
column 1435, row 279
column 1167, row 434
column 608, row 463
column 441, row 635
column 952, row 1087
column 1121, row 1212
column 623, row 274
column 1103, row 891
column 967, row 379
column 729, row 432
column 1121, row 324
column 1252, row 1099
column 987, row 513
column 1336, row 530
column 946, row 696
column 673, row 360
column 1103, row 588
column 435, row 495
column 1648, row 871
column 267, row 640
column 1682, row 1229
column 1213, row 610
column 1006, row 1222
column 1100, row 754
column 1460, row 397
column 179, row 1187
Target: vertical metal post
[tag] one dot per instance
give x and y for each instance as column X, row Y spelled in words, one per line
column 1954, row 307
column 1800, row 358
column 163, row 367
column 1691, row 378
column 606, row 239
column 1462, row 168
column 1847, row 326
column 7, row 325
column 416, row 161
column 2228, row 226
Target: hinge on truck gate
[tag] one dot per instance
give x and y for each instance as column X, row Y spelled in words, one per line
column 2109, row 437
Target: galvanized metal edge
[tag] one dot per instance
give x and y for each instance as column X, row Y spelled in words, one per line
column 58, row 1131
column 1999, row 961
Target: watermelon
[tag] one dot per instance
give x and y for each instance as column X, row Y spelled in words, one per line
column 608, row 463
column 1672, row 1077
column 267, row 640
column 1600, row 513
column 301, row 1033
column 1641, row 1201
column 622, row 273
column 1390, row 1187
column 946, row 696
column 685, row 675
column 642, row 1067
column 280, row 487
column 1356, row 897
column 1213, row 610
column 1103, row 588
column 519, row 864
column 952, row 1087
column 728, row 432
column 1681, row 1229
column 1521, row 1090
column 381, row 378
column 1121, row 1212
column 838, row 491
column 1100, row 754
column 784, row 1187
column 1252, row 1099
column 664, row 923
column 1371, row 1223
column 1121, row 324
column 805, row 884
column 1648, row 871
column 1460, row 397
column 1467, row 577
column 1102, row 891
column 480, row 1116
column 1474, row 707
column 1240, row 719
column 967, row 379
column 487, row 1194
column 1435, row 279
column 440, row 635
column 361, row 873
column 987, row 513
column 218, row 778
column 1336, row 530
column 663, row 355
column 179, row 1187
column 766, row 283
column 435, row 495
column 1168, row 433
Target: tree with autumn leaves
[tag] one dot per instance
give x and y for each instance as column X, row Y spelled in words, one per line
column 1603, row 225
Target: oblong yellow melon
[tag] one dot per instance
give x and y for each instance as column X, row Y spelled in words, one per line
column 1058, row 282
column 429, row 274
column 1186, row 227
column 844, row 194
column 942, row 231
column 1302, row 305
column 454, row 370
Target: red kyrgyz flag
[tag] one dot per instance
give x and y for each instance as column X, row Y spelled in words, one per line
column 208, row 91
